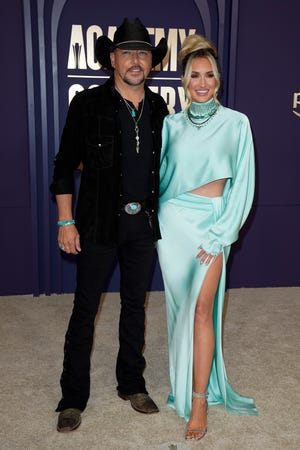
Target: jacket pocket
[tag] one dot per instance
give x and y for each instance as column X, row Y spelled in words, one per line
column 100, row 151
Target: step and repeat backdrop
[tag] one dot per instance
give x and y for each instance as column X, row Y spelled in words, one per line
column 60, row 38
column 60, row 41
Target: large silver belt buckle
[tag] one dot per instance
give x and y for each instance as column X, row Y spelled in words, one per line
column 133, row 208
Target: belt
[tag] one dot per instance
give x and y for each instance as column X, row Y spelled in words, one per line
column 133, row 208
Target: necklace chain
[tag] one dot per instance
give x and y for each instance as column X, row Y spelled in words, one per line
column 208, row 116
column 198, row 124
column 132, row 113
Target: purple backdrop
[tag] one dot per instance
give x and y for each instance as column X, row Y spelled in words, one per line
column 261, row 78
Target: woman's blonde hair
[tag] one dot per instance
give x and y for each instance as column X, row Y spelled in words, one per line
column 197, row 46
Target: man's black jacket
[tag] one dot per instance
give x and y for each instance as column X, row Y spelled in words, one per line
column 92, row 138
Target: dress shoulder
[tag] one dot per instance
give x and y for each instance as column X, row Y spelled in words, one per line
column 234, row 115
column 175, row 118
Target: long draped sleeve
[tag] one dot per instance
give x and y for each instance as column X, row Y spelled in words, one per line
column 239, row 198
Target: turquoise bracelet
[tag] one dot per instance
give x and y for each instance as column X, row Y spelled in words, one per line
column 64, row 223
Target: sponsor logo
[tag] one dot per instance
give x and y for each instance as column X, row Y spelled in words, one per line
column 296, row 103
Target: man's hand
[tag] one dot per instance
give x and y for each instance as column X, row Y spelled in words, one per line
column 69, row 239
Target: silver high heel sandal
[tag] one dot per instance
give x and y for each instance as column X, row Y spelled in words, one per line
column 198, row 431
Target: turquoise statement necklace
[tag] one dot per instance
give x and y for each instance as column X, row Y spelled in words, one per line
column 199, row 114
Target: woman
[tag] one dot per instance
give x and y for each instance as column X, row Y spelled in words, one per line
column 207, row 186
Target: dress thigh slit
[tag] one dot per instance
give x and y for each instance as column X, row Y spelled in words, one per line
column 184, row 222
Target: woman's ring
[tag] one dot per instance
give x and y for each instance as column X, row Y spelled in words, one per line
column 62, row 248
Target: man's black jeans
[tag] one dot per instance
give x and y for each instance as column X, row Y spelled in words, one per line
column 135, row 254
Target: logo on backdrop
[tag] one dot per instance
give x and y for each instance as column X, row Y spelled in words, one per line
column 85, row 72
column 296, row 104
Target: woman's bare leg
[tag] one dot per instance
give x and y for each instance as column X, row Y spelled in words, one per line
column 204, row 343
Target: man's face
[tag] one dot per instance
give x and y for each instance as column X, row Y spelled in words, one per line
column 131, row 66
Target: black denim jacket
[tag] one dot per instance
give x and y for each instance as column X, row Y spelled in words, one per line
column 92, row 137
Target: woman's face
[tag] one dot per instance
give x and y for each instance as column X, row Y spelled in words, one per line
column 202, row 83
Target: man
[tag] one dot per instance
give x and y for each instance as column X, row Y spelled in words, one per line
column 114, row 133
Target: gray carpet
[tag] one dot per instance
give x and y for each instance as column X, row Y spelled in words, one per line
column 261, row 349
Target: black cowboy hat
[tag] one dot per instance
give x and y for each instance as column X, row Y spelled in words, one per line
column 131, row 36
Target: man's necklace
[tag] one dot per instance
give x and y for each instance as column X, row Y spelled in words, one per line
column 132, row 113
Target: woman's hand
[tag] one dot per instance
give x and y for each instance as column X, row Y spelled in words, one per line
column 205, row 258
column 69, row 239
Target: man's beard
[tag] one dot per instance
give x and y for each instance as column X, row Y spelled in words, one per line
column 134, row 83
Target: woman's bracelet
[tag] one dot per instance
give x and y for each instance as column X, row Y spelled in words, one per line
column 64, row 223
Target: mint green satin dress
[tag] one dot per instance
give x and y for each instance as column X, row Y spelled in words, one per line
column 192, row 157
